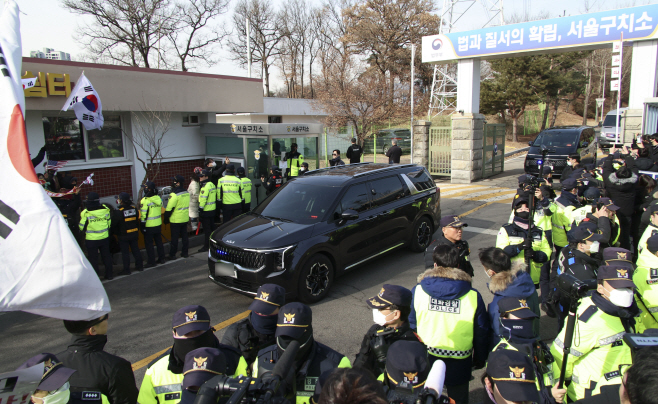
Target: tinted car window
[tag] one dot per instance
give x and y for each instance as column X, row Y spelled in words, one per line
column 298, row 203
column 556, row 139
column 356, row 198
column 611, row 120
column 386, row 190
column 587, row 135
column 420, row 179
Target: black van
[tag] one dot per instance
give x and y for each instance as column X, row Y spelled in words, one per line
column 561, row 141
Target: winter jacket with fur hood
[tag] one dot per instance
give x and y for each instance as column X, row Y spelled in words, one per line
column 450, row 284
column 513, row 283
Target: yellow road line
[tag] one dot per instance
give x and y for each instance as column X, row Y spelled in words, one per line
column 143, row 362
column 500, row 193
column 455, row 194
column 475, row 209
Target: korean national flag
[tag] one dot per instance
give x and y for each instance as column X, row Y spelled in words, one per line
column 86, row 103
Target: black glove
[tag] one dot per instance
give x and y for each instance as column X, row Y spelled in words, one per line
column 512, row 250
column 142, row 228
column 379, row 348
column 462, row 246
column 539, row 257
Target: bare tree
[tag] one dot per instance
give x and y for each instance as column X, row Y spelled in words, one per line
column 265, row 36
column 125, row 31
column 194, row 36
column 148, row 132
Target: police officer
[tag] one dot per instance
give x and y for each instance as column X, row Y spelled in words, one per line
column 178, row 215
column 451, row 234
column 390, row 309
column 295, row 160
column 567, row 203
column 109, row 376
column 602, row 320
column 646, row 280
column 651, row 229
column 274, row 181
column 603, row 217
column 354, row 152
column 245, row 189
column 229, row 193
column 95, row 222
column 151, row 216
column 576, row 260
column 201, row 365
column 303, row 169
column 445, row 300
column 588, row 200
column 512, row 236
column 191, row 330
column 69, row 205
column 125, row 224
column 313, row 358
column 207, row 207
column 257, row 330
column 509, row 378
column 516, row 333
column 53, row 383
column 406, row 371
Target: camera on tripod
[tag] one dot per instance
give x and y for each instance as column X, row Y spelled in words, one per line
column 573, row 288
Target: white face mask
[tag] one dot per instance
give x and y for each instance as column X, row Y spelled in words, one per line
column 213, row 164
column 379, row 318
column 594, row 248
column 569, row 163
column 621, row 297
column 59, row 396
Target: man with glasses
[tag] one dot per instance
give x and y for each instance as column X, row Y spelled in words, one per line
column 452, row 230
column 336, row 161
column 97, row 371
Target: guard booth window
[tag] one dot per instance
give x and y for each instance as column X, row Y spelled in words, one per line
column 64, row 138
column 386, row 190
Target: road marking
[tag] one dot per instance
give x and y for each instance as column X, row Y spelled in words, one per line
column 476, row 196
column 475, row 209
column 480, row 230
column 507, row 198
column 460, row 192
column 451, row 187
column 143, row 362
column 494, row 196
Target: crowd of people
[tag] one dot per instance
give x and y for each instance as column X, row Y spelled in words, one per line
column 589, row 255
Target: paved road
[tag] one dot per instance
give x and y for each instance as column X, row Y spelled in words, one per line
column 143, row 303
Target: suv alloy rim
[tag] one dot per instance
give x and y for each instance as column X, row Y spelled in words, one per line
column 423, row 234
column 317, row 278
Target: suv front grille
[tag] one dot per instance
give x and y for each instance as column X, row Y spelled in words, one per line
column 554, row 163
column 237, row 284
column 246, row 259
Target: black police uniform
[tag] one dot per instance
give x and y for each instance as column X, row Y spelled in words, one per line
column 606, row 228
column 69, row 206
column 273, row 183
column 376, row 342
column 243, row 336
column 98, row 371
column 461, row 245
column 125, row 225
column 354, row 153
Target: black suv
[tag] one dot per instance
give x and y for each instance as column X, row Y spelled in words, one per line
column 323, row 224
column 561, row 141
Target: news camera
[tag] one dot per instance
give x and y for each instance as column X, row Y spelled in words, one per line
column 573, row 288
column 269, row 388
column 637, row 342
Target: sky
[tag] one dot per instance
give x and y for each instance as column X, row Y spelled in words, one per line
column 47, row 24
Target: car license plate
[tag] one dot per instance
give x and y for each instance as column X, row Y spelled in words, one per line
column 610, row 135
column 223, row 268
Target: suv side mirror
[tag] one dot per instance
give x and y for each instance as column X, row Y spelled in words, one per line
column 349, row 214
column 530, row 143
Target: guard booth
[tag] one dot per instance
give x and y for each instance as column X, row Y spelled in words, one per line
column 257, row 147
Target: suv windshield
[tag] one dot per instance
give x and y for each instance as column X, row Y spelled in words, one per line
column 611, row 120
column 556, row 139
column 299, row 203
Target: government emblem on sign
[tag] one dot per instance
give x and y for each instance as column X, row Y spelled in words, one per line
column 257, row 154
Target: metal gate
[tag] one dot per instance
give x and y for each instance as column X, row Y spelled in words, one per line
column 493, row 158
column 440, row 150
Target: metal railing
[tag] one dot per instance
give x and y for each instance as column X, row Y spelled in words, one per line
column 440, row 151
column 493, row 158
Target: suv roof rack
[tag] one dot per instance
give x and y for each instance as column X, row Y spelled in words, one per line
column 384, row 169
column 334, row 167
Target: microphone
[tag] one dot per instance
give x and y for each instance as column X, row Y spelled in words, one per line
column 281, row 369
column 435, row 380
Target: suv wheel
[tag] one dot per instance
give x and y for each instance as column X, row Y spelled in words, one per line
column 422, row 235
column 315, row 279
column 385, row 148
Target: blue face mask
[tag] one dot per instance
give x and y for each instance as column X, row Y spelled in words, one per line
column 263, row 324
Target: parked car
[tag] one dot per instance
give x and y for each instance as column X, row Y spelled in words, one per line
column 385, row 138
column 608, row 134
column 561, row 141
column 317, row 227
